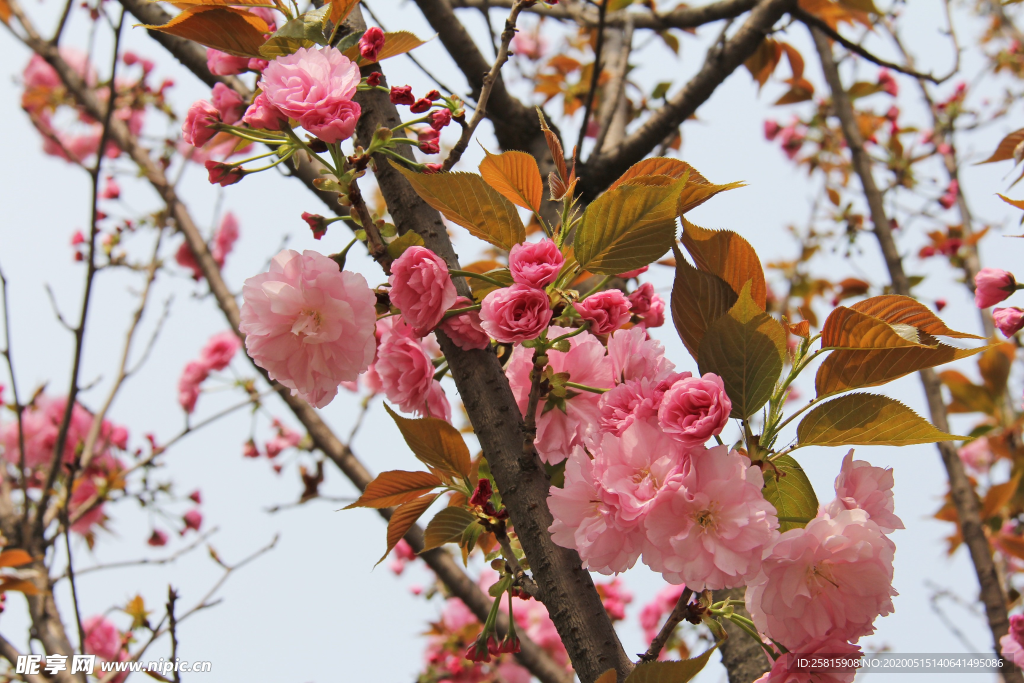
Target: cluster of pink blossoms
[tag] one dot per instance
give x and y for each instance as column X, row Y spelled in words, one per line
column 214, row 356
column 223, row 242
column 821, row 587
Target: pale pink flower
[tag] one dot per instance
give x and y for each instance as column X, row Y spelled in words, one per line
column 695, row 408
column 40, row 426
column 606, row 311
column 787, row 669
column 859, row 485
column 991, row 286
column 977, row 455
column 632, row 401
column 584, row 522
column 225, row 238
column 515, row 314
column 315, row 86
column 835, row 573
column 711, row 531
column 421, row 288
column 39, row 74
column 222, row 64
column 1008, row 320
column 310, row 325
column 535, row 263
column 198, row 128
column 228, row 102
column 437, row 403
column 465, row 329
column 634, row 355
column 101, row 638
column 558, row 431
column 284, row 439
column 637, row 471
column 406, row 373
column 262, row 114
column 192, row 377
column 371, row 44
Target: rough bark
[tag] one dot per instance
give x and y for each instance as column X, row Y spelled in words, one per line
column 962, row 492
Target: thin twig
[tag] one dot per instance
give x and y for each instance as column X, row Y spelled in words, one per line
column 146, row 561
column 602, row 12
column 19, row 409
column 485, row 92
column 679, row 612
column 172, row 597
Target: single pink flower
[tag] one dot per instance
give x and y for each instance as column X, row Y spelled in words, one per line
column 584, row 522
column 402, row 94
column 157, row 539
column 561, row 426
column 536, row 264
column 991, row 286
column 439, row 118
column 228, row 102
column 516, row 313
column 262, row 114
column 196, row 497
column 711, row 531
column 977, row 455
column 1008, row 320
column 224, row 174
column 695, row 408
column 315, row 86
column 371, row 44
column 888, row 83
column 193, row 519
column 102, row 638
column 640, row 299
column 634, row 355
column 771, row 130
column 636, row 400
column 219, row 350
column 111, row 190
column 406, row 372
column 192, row 377
column 859, row 485
column 225, row 238
column 655, row 317
column 222, row 64
column 606, row 311
column 310, row 325
column 186, row 259
column 1010, row 647
column 465, row 329
column 835, row 573
column 421, row 288
column 200, row 120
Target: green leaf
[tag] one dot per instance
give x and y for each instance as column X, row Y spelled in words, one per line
column 466, row 200
column 396, row 487
column 304, row 31
column 436, row 443
column 349, row 40
column 397, row 246
column 447, row 526
column 669, row 672
column 790, row 491
column 867, row 419
column 630, row 226
column 698, row 300
column 746, row 348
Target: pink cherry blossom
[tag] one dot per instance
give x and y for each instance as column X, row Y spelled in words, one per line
column 695, row 408
column 39, row 74
column 157, row 539
column 787, row 669
column 371, row 44
column 614, row 596
column 262, row 114
column 315, row 86
column 198, row 128
column 222, row 64
column 655, row 316
column 465, row 329
column 835, row 573
column 190, row 382
column 515, row 314
column 859, row 485
column 584, row 522
column 634, row 355
column 991, row 286
column 193, row 519
column 310, row 325
column 1011, row 646
column 225, row 238
column 535, row 263
column 219, row 350
column 711, row 531
column 407, row 377
column 228, row 102
column 640, row 299
column 83, row 504
column 102, row 638
column 606, row 311
column 1010, row 321
column 977, row 455
column 558, row 431
column 186, row 259
column 40, row 426
column 421, row 288
column 632, row 401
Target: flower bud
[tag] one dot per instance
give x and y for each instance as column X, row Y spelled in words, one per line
column 992, row 285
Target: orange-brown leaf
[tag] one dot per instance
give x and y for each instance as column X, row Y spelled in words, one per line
column 968, row 397
column 394, row 488
column 555, row 147
column 727, row 255
column 674, row 168
column 1006, row 148
column 699, row 298
column 14, row 557
column 854, row 368
column 846, row 328
column 5, row 11
column 227, row 29
column 436, row 443
column 903, row 310
column 998, row 496
column 395, row 43
column 19, row 585
column 762, row 63
column 404, row 517
column 516, row 176
column 340, row 9
column 994, row 366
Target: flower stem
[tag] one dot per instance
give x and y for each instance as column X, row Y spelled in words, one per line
column 584, row 387
column 478, row 276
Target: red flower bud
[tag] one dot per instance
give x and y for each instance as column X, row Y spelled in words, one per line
column 224, row 174
column 317, row 224
column 373, row 80
column 482, row 494
column 421, row 105
column 402, row 94
column 477, row 652
column 440, row 118
column 434, row 168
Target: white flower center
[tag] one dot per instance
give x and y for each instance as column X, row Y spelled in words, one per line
column 308, row 324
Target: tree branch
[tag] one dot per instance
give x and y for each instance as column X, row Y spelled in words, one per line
column 961, row 491
column 603, row 169
column 682, row 17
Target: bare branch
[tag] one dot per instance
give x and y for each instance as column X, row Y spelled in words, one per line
column 679, row 612
column 683, row 17
column 11, row 654
column 595, row 76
